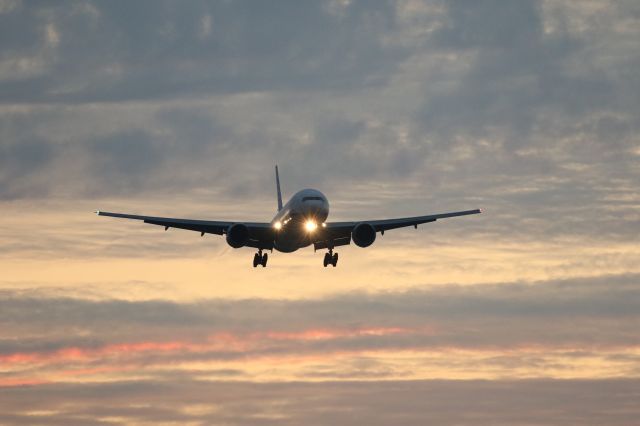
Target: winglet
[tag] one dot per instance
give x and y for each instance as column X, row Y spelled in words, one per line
column 278, row 187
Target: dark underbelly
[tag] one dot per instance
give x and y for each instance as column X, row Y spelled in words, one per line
column 289, row 240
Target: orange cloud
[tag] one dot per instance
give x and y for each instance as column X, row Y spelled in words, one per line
column 327, row 334
column 226, row 341
column 21, row 381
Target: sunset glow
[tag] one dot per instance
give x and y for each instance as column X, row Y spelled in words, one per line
column 379, row 114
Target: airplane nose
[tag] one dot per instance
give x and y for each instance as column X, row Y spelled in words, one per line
column 320, row 211
column 315, row 208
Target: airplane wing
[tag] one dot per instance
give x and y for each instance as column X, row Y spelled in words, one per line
column 258, row 232
column 340, row 232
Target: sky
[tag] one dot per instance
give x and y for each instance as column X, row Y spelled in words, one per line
column 526, row 314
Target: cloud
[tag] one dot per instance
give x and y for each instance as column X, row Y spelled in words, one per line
column 544, row 329
column 184, row 401
column 526, row 109
column 155, row 50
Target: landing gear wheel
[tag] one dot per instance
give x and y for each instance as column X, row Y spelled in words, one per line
column 264, row 259
column 257, row 260
column 330, row 258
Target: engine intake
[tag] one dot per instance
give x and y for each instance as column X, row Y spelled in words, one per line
column 363, row 234
column 237, row 235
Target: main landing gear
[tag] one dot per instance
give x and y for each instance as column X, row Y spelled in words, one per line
column 330, row 258
column 260, row 259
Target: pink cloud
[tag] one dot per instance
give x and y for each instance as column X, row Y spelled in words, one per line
column 223, row 341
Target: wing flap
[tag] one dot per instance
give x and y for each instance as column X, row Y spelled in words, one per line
column 387, row 224
column 339, row 229
column 258, row 230
column 207, row 229
column 325, row 244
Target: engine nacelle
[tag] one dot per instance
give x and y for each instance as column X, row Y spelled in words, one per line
column 237, row 235
column 363, row 234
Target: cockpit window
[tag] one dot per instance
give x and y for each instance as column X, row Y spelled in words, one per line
column 311, row 199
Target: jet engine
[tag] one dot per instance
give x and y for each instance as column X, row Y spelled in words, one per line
column 363, row 234
column 237, row 235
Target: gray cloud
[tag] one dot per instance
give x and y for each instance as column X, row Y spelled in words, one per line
column 180, row 400
column 591, row 313
column 527, row 109
column 20, row 161
column 158, row 50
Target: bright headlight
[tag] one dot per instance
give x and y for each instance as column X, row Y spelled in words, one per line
column 310, row 226
column 277, row 225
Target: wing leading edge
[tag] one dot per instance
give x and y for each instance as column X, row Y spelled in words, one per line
column 387, row 224
column 341, row 230
column 259, row 231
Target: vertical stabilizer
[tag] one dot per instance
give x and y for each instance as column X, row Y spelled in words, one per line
column 278, row 187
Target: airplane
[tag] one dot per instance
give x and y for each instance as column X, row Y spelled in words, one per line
column 299, row 223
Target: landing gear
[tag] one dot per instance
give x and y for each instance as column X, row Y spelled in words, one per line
column 330, row 258
column 260, row 259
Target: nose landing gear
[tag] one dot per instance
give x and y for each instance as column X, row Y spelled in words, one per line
column 330, row 258
column 260, row 259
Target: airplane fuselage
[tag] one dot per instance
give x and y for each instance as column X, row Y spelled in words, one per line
column 298, row 219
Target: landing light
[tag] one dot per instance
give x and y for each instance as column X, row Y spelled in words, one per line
column 277, row 225
column 310, row 226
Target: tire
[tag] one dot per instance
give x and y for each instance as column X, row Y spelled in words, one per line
column 256, row 260
column 326, row 260
column 334, row 260
column 264, row 259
